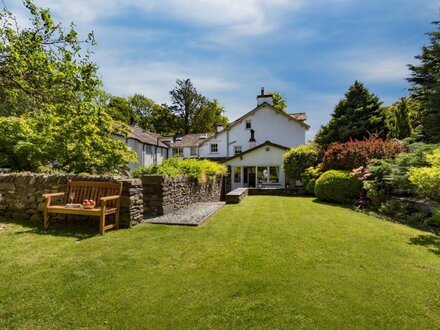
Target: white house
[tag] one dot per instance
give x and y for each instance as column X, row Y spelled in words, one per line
column 253, row 145
column 148, row 146
column 187, row 146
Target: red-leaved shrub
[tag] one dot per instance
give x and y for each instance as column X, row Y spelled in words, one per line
column 353, row 154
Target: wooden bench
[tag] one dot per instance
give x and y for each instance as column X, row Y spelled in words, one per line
column 107, row 196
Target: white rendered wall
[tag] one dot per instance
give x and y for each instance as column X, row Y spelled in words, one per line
column 268, row 126
column 220, row 140
column 260, row 157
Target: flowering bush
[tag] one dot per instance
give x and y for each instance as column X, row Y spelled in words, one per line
column 353, row 154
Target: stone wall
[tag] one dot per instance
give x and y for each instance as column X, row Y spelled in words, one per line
column 21, row 195
column 164, row 194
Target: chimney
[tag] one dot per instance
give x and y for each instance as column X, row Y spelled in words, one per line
column 219, row 128
column 252, row 141
column 264, row 98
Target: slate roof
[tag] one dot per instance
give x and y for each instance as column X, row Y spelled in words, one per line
column 137, row 133
column 301, row 116
column 191, row 140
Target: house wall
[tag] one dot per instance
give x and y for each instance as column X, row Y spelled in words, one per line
column 220, row 140
column 268, row 126
column 146, row 153
column 262, row 158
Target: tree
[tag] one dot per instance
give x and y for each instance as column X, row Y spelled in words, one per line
column 279, row 102
column 119, row 109
column 48, row 80
column 356, row 116
column 425, row 80
column 195, row 113
column 208, row 116
column 398, row 120
column 186, row 100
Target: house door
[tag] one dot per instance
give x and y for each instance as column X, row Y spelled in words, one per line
column 249, row 178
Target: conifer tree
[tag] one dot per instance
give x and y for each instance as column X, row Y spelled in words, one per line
column 356, row 116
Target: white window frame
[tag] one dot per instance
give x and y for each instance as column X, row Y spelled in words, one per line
column 211, row 148
column 193, row 151
column 238, row 150
column 178, row 151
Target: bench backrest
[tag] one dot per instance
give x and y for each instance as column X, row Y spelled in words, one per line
column 93, row 190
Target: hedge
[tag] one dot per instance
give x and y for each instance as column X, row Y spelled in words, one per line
column 338, row 187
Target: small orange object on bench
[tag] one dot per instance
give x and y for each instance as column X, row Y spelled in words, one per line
column 107, row 196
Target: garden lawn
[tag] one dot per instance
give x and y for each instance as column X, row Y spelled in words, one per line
column 267, row 263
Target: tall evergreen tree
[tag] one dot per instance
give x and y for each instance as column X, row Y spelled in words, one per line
column 185, row 101
column 356, row 116
column 398, row 119
column 195, row 113
column 425, row 79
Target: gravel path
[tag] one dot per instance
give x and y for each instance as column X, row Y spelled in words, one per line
column 192, row 215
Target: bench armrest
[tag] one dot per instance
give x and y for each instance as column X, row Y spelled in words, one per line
column 53, row 195
column 109, row 198
column 49, row 197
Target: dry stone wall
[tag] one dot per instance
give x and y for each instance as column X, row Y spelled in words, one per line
column 21, row 195
column 163, row 195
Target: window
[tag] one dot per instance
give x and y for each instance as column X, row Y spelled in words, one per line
column 262, row 174
column 274, row 173
column 214, row 147
column 177, row 151
column 148, row 149
column 237, row 174
column 237, row 150
column 248, row 124
column 193, row 151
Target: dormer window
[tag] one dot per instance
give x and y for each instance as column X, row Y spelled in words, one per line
column 248, row 124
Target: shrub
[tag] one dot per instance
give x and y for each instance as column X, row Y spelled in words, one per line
column 309, row 177
column 353, row 154
column 142, row 170
column 337, row 186
column 298, row 159
column 435, row 219
column 200, row 170
column 427, row 179
column 390, row 177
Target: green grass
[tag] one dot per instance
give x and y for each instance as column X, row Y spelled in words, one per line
column 267, row 263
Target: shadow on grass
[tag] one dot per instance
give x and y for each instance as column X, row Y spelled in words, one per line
column 432, row 242
column 419, row 226
column 79, row 231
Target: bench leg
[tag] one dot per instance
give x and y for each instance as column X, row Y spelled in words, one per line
column 102, row 224
column 46, row 219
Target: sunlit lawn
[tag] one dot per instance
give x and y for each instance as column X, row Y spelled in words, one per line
column 267, row 263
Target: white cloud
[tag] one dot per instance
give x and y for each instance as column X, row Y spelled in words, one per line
column 376, row 66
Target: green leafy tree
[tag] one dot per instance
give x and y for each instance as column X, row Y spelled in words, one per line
column 279, row 102
column 356, row 116
column 208, row 116
column 425, row 79
column 119, row 109
column 195, row 113
column 49, row 81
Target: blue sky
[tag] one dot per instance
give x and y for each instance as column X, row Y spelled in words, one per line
column 309, row 51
